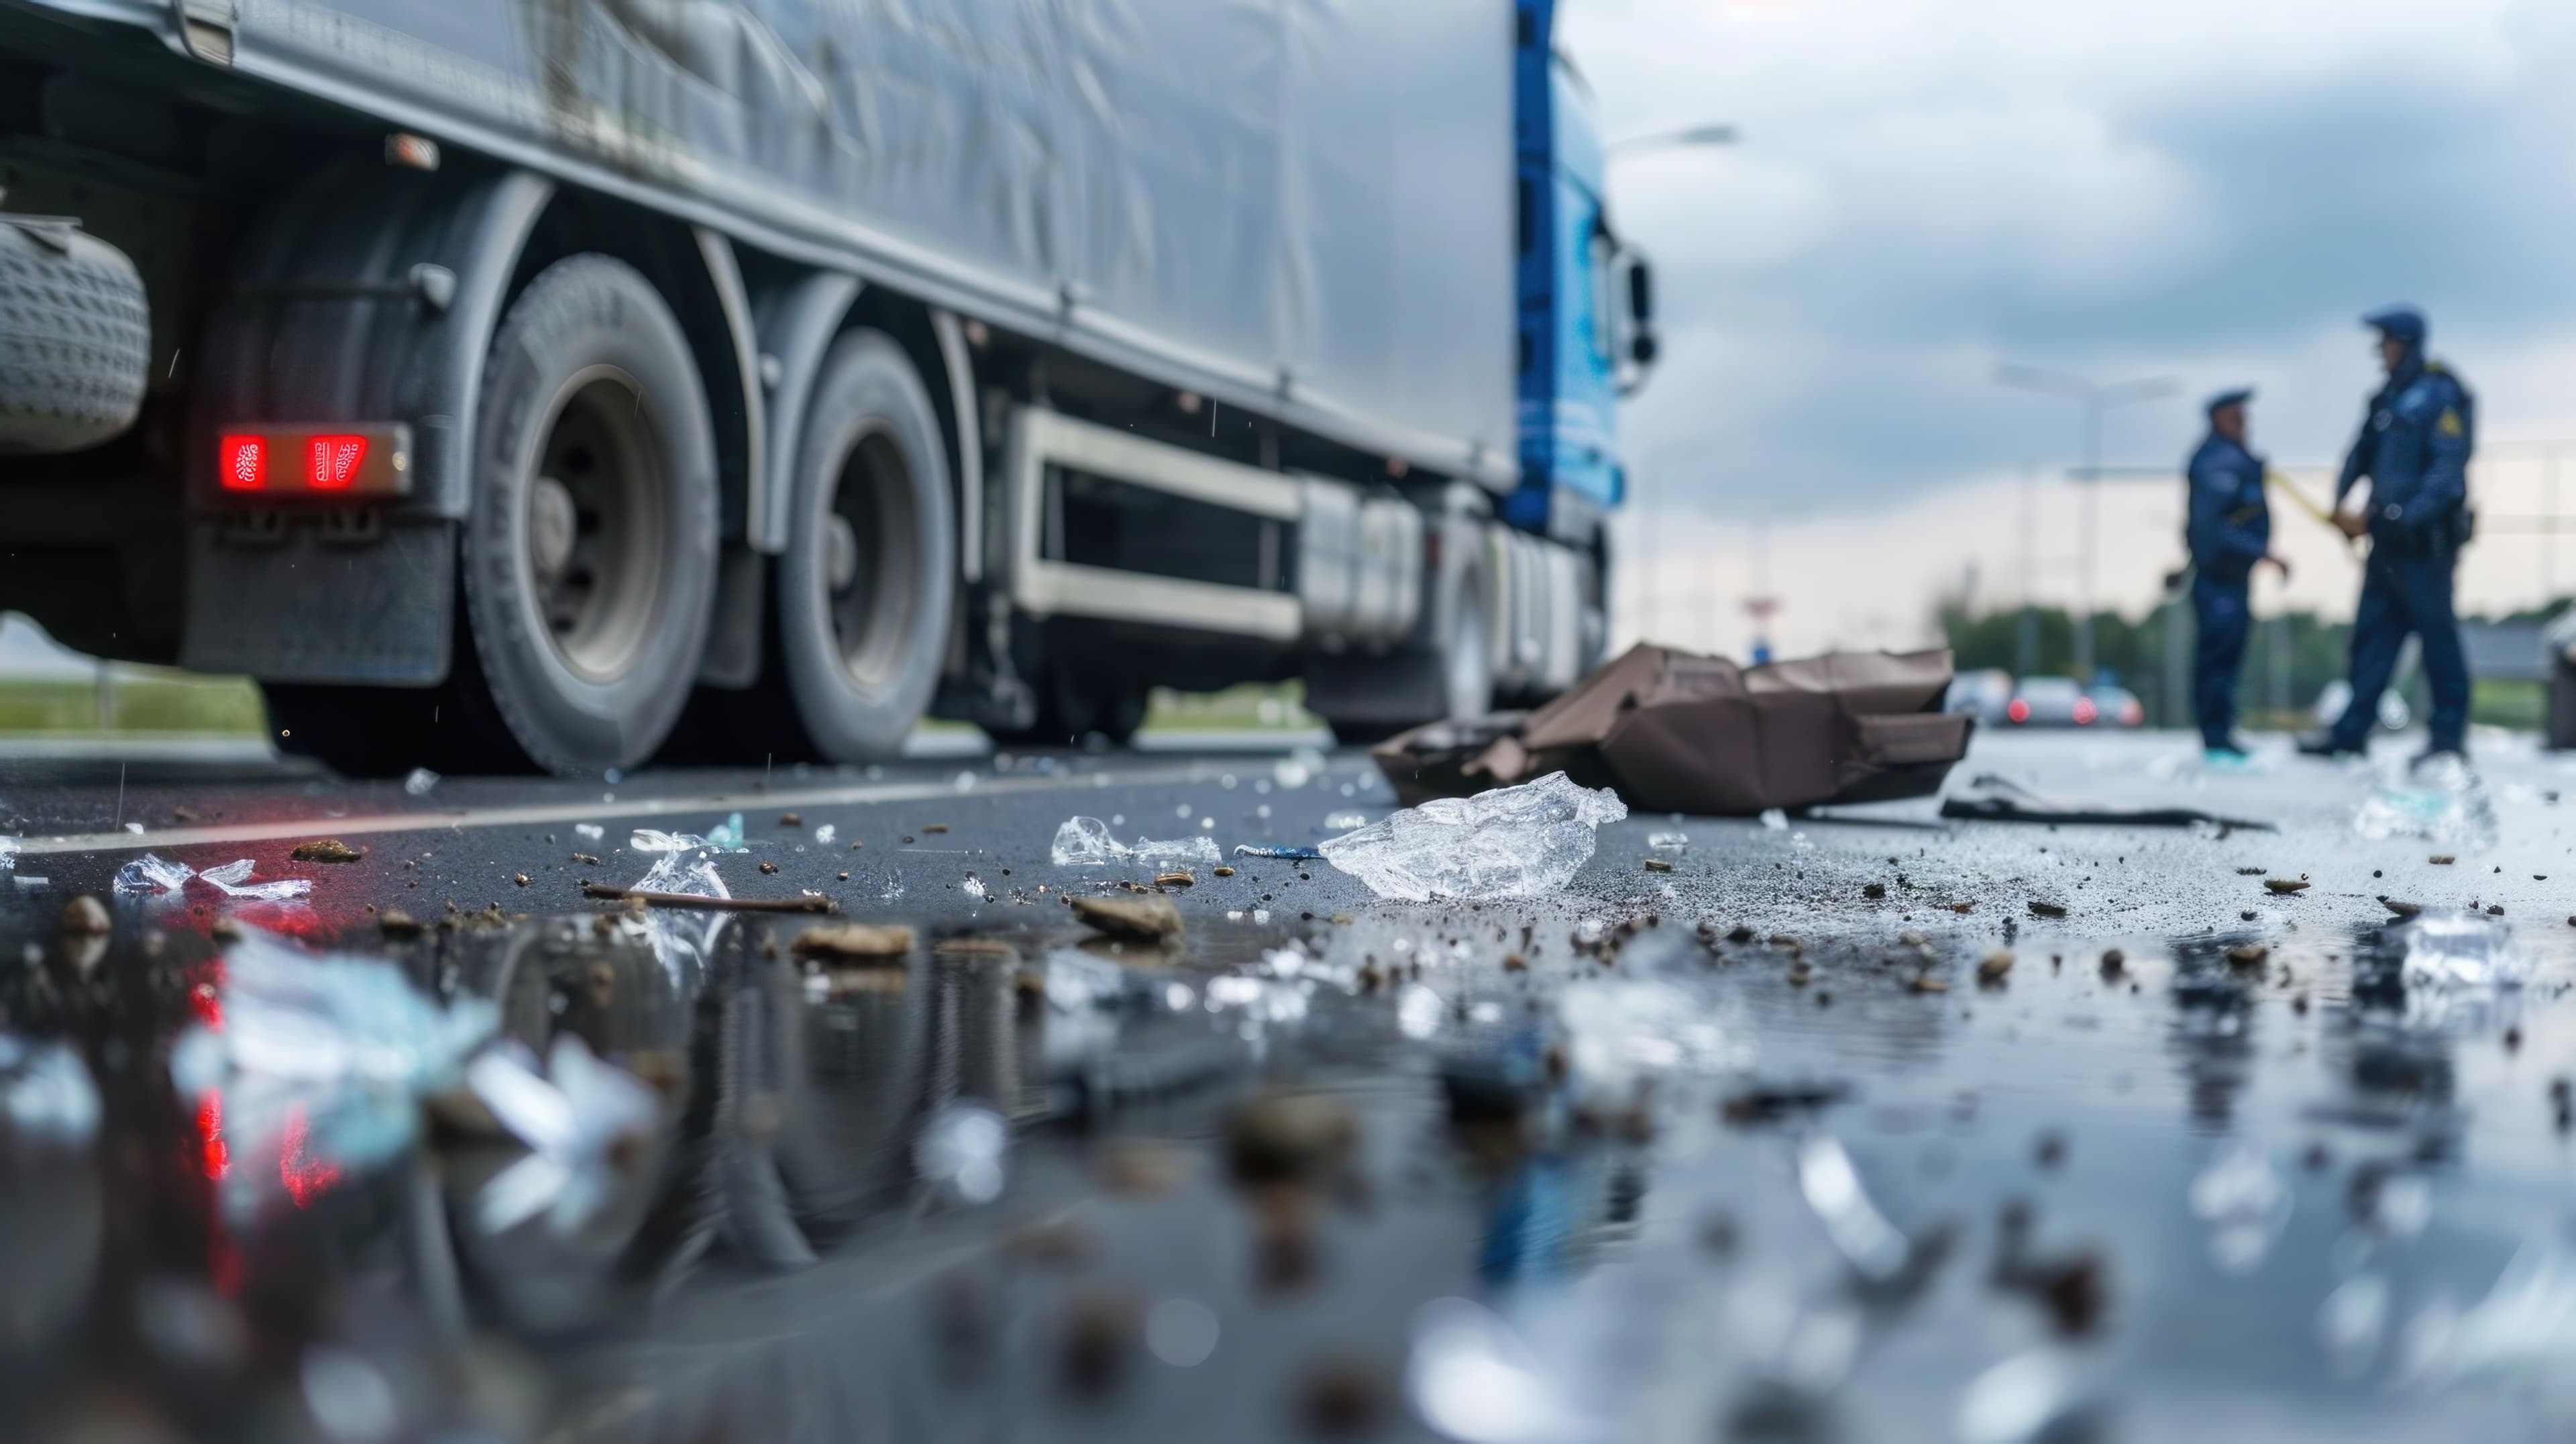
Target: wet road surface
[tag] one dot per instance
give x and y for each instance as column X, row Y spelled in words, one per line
column 1844, row 1128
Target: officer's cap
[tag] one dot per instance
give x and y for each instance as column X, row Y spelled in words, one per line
column 2402, row 324
column 2225, row 399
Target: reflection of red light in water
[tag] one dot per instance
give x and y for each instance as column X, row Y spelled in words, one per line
column 206, row 992
column 304, row 1176
column 210, row 1134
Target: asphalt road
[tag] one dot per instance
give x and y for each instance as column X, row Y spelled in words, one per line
column 1776, row 1144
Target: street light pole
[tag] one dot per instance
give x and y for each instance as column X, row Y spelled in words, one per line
column 1686, row 135
column 2097, row 399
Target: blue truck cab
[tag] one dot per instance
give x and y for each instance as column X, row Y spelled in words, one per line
column 1585, row 298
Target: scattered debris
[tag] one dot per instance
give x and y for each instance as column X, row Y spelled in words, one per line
column 419, row 782
column 2245, row 1203
column 2040, row 909
column 2462, row 950
column 1177, row 877
column 1657, row 864
column 1993, row 966
column 395, row 923
column 2286, row 886
column 153, row 874
column 652, row 898
column 46, row 1093
column 1087, row 842
column 1776, row 1102
column 327, row 849
column 1873, row 890
column 2410, row 909
column 961, row 1151
column 1281, row 1137
column 1510, row 842
column 853, row 940
column 322, row 1060
column 1148, row 918
column 1990, row 798
column 1677, row 732
column 233, row 880
column 1289, row 852
column 2247, row 955
column 584, row 1122
column 85, row 917
column 2442, row 859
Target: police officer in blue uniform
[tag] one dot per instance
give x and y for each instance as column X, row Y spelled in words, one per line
column 2414, row 447
column 2229, row 533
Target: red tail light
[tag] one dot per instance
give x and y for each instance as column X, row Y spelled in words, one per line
column 349, row 460
column 332, row 461
column 2085, row 711
column 2019, row 711
column 242, row 463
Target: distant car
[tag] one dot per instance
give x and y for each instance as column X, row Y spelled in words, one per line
column 2059, row 702
column 1982, row 694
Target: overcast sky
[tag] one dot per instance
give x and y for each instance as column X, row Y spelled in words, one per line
column 2211, row 190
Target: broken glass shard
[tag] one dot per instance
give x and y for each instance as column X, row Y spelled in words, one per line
column 959, row 1152
column 46, row 1095
column 233, row 878
column 580, row 1121
column 1509, row 842
column 152, row 874
column 1088, row 842
column 321, row 1061
column 2243, row 1199
column 2462, row 950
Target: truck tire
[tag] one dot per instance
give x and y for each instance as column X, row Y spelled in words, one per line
column 589, row 559
column 868, row 581
column 75, row 338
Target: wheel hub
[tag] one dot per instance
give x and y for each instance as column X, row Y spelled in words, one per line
column 551, row 525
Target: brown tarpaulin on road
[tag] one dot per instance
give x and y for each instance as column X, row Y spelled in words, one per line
column 1678, row 732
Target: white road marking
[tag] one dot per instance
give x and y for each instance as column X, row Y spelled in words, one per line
column 568, row 812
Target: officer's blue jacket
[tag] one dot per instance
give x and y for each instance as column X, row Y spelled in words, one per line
column 2230, row 527
column 2414, row 446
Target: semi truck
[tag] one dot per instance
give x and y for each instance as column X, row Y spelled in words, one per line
column 565, row 384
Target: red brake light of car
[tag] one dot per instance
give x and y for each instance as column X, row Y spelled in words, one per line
column 2019, row 711
column 242, row 463
column 2085, row 711
column 332, row 461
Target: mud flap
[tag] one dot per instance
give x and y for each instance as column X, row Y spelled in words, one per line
column 297, row 602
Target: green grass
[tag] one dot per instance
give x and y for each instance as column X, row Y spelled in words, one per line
column 2497, row 702
column 140, row 699
column 1251, row 707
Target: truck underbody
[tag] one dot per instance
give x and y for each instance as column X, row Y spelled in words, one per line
column 377, row 462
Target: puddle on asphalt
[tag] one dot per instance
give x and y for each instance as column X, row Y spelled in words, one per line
column 1516, row 1170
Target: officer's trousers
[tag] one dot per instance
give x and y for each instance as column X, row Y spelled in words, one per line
column 2402, row 593
column 2224, row 621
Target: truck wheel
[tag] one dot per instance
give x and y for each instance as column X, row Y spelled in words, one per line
column 589, row 561
column 868, row 580
column 75, row 338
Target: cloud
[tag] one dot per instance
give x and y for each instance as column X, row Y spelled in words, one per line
column 2207, row 190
